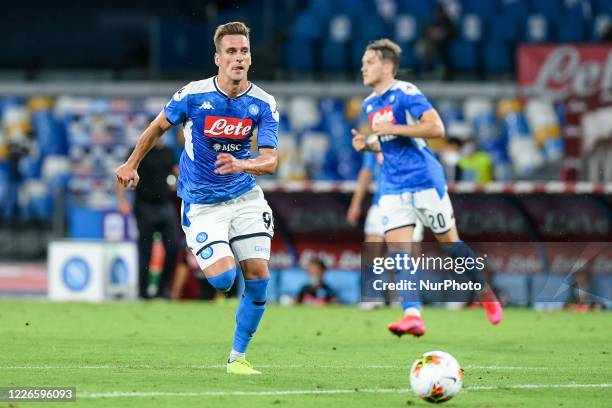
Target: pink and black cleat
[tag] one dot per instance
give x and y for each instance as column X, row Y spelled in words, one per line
column 410, row 324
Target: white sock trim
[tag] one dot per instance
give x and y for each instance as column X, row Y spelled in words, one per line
column 235, row 355
column 412, row 311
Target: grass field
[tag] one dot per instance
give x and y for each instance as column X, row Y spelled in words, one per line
column 172, row 355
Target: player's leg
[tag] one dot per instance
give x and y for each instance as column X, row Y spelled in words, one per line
column 374, row 237
column 206, row 230
column 399, row 221
column 146, row 229
column 250, row 235
column 170, row 240
column 437, row 213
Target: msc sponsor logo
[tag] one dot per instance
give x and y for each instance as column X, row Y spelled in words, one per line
column 76, row 274
column 201, row 237
column 227, row 147
column 259, row 248
column 228, row 128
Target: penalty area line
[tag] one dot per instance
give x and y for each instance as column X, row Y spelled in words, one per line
column 136, row 394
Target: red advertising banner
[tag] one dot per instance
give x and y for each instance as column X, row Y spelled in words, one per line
column 559, row 71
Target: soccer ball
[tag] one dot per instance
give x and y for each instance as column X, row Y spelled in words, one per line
column 436, row 377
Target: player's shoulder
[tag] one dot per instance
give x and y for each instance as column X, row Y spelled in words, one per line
column 369, row 97
column 258, row 93
column 406, row 87
column 198, row 87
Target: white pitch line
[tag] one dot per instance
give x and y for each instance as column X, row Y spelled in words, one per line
column 216, row 366
column 122, row 394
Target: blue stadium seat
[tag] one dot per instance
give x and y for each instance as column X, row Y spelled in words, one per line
column 484, row 9
column 292, row 281
column 600, row 23
column 549, row 8
column 408, row 60
column 357, row 50
column 602, row 6
column 369, row 28
column 471, row 27
column 307, row 27
column 422, row 10
column 497, row 57
column 300, row 54
column 537, row 29
column 406, row 28
column 273, row 286
column 502, row 28
column 464, row 56
column 570, row 28
column 333, row 56
column 516, row 9
column 346, row 285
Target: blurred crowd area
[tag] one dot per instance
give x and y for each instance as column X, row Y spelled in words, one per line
column 305, row 38
column 73, row 144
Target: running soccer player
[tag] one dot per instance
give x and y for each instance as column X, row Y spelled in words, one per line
column 413, row 185
column 225, row 216
column 374, row 229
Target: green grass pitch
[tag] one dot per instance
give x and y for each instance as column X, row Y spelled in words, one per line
column 163, row 354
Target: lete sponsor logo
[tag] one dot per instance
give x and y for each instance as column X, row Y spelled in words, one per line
column 228, row 128
column 560, row 71
column 382, row 115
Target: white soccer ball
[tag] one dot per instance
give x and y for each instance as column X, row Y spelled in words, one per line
column 436, row 377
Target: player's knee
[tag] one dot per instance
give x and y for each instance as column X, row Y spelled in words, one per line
column 224, row 281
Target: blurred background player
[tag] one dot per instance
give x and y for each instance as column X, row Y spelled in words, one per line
column 316, row 291
column 225, row 215
column 412, row 184
column 154, row 211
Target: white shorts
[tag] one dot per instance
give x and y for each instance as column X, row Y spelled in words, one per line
column 402, row 210
column 242, row 228
column 374, row 224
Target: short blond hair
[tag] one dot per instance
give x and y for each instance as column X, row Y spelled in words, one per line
column 233, row 28
column 387, row 50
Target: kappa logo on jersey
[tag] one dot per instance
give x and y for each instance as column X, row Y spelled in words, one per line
column 227, row 147
column 382, row 115
column 228, row 128
column 207, row 105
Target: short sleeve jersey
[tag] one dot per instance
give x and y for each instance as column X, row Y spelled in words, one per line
column 409, row 164
column 213, row 123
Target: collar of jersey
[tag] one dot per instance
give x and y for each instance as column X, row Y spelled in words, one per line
column 246, row 91
column 388, row 88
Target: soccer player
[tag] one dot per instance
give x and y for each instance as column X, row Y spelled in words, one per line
column 412, row 184
column 225, row 216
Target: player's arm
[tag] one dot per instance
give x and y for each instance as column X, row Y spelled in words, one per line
column 363, row 181
column 265, row 163
column 429, row 126
column 127, row 173
column 363, row 143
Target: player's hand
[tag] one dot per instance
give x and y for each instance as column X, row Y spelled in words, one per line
column 353, row 214
column 228, row 164
column 384, row 128
column 359, row 141
column 127, row 176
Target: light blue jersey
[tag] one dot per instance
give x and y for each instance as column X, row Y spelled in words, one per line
column 213, row 124
column 409, row 164
column 372, row 161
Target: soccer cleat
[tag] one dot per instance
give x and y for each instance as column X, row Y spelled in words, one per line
column 410, row 324
column 241, row 366
column 491, row 306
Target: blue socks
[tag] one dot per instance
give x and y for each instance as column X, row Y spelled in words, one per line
column 462, row 250
column 408, row 298
column 250, row 310
column 224, row 281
